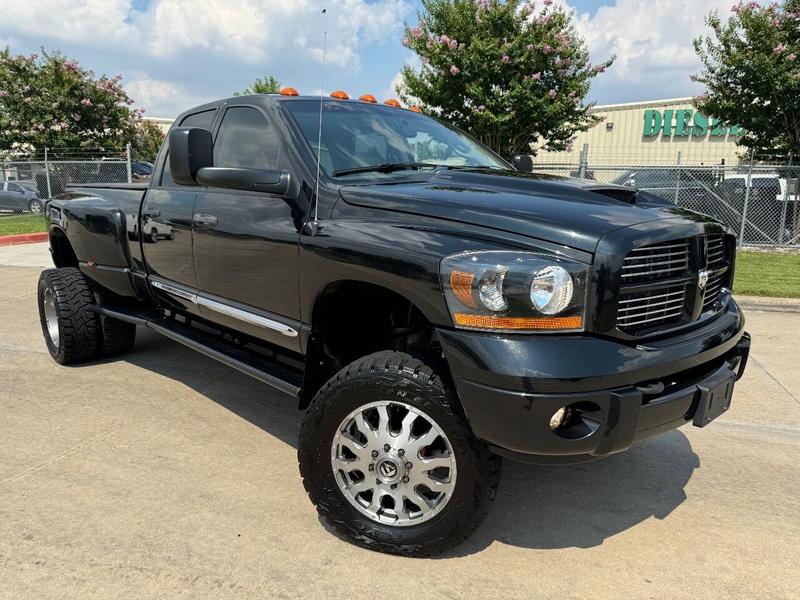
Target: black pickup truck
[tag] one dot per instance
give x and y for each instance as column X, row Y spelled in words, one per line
column 431, row 307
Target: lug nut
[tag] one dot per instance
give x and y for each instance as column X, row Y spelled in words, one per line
column 371, row 467
column 401, row 452
column 409, row 465
column 374, row 454
column 386, row 447
column 405, row 479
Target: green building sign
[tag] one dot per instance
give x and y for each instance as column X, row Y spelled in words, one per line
column 684, row 122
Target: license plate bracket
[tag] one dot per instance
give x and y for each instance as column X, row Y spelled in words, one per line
column 715, row 397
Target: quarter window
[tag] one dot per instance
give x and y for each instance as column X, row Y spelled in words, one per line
column 202, row 119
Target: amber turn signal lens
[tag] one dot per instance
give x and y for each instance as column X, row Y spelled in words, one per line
column 392, row 102
column 289, row 91
column 340, row 95
column 461, row 284
column 368, row 98
column 494, row 322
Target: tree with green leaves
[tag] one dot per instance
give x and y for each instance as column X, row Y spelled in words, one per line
column 263, row 85
column 751, row 69
column 513, row 74
column 146, row 140
column 47, row 100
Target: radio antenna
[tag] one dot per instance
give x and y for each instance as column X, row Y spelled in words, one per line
column 319, row 133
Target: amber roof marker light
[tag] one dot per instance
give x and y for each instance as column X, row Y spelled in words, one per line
column 368, row 98
column 416, row 109
column 392, row 102
column 340, row 95
column 289, row 91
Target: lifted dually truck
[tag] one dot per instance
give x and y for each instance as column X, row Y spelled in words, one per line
column 432, row 308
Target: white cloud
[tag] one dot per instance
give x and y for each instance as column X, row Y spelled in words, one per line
column 653, row 44
column 199, row 35
column 101, row 19
column 170, row 98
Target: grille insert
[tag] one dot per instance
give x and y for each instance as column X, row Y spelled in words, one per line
column 715, row 251
column 652, row 307
column 659, row 261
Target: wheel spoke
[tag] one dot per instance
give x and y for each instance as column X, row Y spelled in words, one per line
column 406, row 426
column 420, row 477
column 400, row 507
column 364, row 428
column 417, row 444
column 360, row 486
column 383, row 422
column 436, row 462
column 361, row 452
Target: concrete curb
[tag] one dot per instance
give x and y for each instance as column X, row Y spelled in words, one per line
column 23, row 238
column 784, row 305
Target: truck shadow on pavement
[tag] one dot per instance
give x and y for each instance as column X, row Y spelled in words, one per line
column 538, row 507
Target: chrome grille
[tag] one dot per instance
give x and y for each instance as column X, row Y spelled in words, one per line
column 653, row 307
column 660, row 282
column 659, row 261
column 715, row 251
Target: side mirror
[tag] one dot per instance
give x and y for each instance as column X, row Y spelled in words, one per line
column 251, row 180
column 523, row 163
column 190, row 149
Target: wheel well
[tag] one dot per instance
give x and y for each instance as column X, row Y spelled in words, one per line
column 63, row 254
column 352, row 319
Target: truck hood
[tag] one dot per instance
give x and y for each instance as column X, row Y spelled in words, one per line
column 572, row 212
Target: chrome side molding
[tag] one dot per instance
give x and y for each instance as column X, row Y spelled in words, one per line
column 175, row 291
column 225, row 309
column 246, row 316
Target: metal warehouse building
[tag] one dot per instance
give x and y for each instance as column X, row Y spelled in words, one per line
column 651, row 133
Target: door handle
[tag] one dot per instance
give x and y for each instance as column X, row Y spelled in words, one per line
column 201, row 220
column 151, row 213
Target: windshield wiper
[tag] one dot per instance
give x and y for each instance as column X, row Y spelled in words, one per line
column 383, row 168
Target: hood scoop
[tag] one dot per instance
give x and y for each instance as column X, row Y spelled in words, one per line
column 627, row 195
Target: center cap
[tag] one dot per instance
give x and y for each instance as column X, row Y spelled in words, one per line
column 388, row 470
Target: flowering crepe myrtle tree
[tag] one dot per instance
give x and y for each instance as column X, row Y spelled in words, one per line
column 751, row 69
column 512, row 73
column 146, row 140
column 47, row 100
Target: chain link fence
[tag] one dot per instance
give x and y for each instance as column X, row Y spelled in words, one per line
column 25, row 185
column 761, row 202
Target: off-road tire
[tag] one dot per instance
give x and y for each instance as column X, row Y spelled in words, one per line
column 78, row 327
column 395, row 376
column 153, row 237
column 117, row 337
column 35, row 206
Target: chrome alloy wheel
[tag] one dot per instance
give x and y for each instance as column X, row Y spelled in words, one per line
column 51, row 316
column 393, row 463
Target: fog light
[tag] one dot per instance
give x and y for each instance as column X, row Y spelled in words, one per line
column 559, row 418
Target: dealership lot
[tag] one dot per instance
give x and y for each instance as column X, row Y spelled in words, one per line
column 165, row 474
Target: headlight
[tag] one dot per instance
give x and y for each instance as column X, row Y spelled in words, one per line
column 551, row 290
column 514, row 291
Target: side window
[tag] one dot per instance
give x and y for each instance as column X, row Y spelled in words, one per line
column 202, row 119
column 246, row 140
column 13, row 187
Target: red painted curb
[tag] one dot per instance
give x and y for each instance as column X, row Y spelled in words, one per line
column 23, row 238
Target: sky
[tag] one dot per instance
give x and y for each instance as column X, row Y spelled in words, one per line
column 174, row 54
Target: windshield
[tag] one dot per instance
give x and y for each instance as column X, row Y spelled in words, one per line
column 355, row 136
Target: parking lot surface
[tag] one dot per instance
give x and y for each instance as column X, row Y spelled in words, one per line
column 164, row 474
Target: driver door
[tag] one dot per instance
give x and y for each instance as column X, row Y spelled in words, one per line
column 246, row 244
